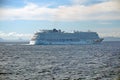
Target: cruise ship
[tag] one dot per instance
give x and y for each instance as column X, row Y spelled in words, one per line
column 57, row 37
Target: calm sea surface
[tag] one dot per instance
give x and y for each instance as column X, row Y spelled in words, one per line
column 19, row 61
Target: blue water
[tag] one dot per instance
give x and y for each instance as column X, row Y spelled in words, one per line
column 19, row 61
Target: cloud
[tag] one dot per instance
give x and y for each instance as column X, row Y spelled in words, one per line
column 78, row 2
column 14, row 35
column 29, row 12
column 108, row 10
column 102, row 11
column 87, row 2
column 108, row 32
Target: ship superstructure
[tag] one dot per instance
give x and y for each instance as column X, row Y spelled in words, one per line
column 46, row 37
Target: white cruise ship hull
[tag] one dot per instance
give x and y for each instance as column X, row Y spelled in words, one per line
column 66, row 42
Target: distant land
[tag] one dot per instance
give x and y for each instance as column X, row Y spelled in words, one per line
column 15, row 40
column 1, row 39
column 27, row 40
column 111, row 39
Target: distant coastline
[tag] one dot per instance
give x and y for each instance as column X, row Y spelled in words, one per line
column 15, row 40
column 111, row 39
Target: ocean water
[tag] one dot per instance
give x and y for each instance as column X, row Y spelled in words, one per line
column 19, row 61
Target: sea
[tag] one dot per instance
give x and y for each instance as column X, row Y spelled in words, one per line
column 21, row 61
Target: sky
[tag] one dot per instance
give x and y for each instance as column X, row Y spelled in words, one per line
column 22, row 18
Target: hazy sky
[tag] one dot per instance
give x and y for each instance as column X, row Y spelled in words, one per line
column 21, row 18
